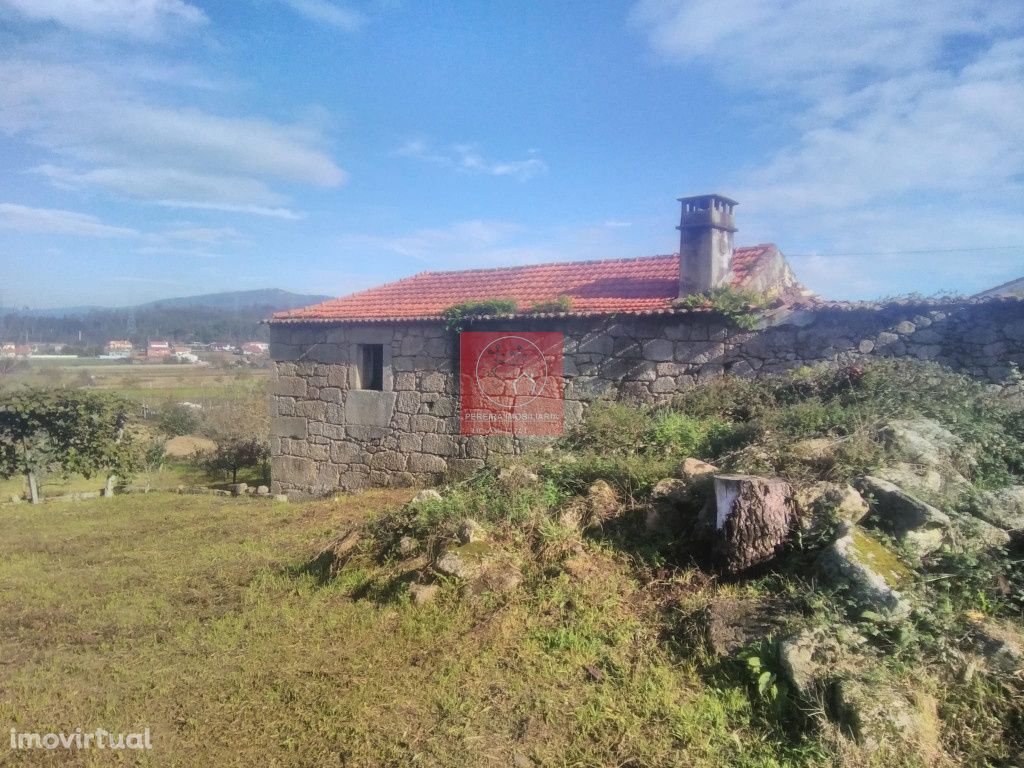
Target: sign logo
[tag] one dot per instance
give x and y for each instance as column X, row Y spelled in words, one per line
column 511, row 383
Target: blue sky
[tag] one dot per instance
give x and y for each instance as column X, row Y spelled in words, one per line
column 154, row 148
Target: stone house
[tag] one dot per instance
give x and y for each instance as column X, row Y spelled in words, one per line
column 368, row 386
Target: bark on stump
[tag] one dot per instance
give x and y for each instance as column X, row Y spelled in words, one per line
column 752, row 517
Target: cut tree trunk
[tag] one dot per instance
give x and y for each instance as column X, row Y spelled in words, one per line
column 108, row 489
column 33, row 488
column 752, row 517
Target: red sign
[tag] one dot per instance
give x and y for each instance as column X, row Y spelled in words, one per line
column 511, row 383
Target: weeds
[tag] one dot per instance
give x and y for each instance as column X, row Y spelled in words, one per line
column 455, row 315
column 737, row 304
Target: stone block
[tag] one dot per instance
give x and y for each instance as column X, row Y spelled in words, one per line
column 311, row 409
column 663, row 385
column 441, row 445
column 370, row 408
column 405, row 381
column 289, row 386
column 346, row 452
column 391, row 461
column 433, row 382
column 293, row 470
column 426, row 463
column 331, row 395
column 658, row 350
column 288, row 426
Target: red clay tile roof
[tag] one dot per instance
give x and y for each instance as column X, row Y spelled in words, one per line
column 622, row 286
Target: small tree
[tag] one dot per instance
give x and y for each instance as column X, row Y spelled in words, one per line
column 70, row 430
column 232, row 455
column 176, row 419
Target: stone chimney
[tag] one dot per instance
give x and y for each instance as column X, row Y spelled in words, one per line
column 705, row 243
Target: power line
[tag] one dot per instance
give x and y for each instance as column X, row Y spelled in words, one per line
column 923, row 251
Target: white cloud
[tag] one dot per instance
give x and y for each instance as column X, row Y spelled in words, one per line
column 203, row 234
column 488, row 243
column 23, row 218
column 332, row 14
column 130, row 18
column 127, row 145
column 468, row 158
column 430, row 243
column 904, row 123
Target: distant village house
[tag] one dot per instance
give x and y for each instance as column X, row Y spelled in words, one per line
column 118, row 348
column 256, row 348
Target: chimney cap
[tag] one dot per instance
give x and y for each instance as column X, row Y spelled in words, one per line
column 712, row 196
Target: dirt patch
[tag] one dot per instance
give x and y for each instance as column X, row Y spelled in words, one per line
column 183, row 446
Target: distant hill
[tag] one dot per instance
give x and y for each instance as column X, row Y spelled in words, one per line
column 233, row 317
column 1012, row 288
column 266, row 297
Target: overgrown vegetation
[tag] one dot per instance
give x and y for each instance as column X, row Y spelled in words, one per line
column 455, row 315
column 809, row 425
column 741, row 305
column 554, row 306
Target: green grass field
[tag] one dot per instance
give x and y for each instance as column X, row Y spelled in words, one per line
column 200, row 618
column 151, row 385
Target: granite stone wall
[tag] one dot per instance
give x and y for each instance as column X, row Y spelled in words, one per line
column 330, row 435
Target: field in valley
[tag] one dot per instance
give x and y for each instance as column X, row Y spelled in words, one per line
column 152, row 385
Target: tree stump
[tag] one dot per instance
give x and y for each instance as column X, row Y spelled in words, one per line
column 751, row 519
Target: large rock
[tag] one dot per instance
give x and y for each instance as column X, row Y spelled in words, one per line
column 691, row 470
column 602, row 503
column 425, row 496
column 471, row 531
column 821, row 505
column 1004, row 509
column 919, row 526
column 481, row 567
column 972, row 534
column 925, row 456
column 924, row 443
column 808, row 658
column 465, row 562
column 1000, row 644
column 748, row 520
column 878, row 717
column 873, row 574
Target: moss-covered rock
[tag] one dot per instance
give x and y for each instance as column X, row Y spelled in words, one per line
column 874, row 575
column 916, row 524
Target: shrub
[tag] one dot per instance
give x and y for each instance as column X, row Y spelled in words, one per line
column 174, row 420
column 737, row 304
column 235, row 454
column 455, row 315
column 559, row 304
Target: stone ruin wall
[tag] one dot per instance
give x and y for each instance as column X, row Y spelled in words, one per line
column 329, row 436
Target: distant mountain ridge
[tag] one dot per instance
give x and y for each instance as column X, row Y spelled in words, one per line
column 233, row 316
column 274, row 299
